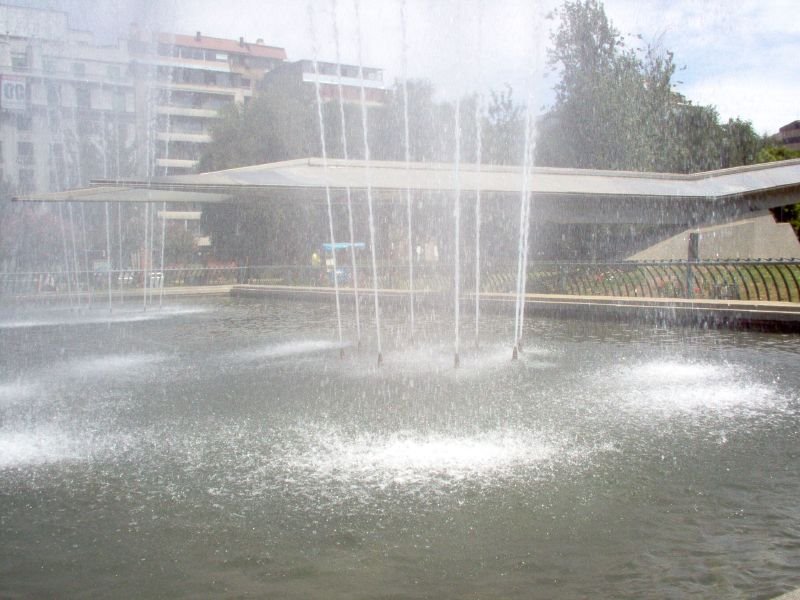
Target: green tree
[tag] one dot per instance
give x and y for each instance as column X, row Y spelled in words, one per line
column 503, row 131
column 616, row 107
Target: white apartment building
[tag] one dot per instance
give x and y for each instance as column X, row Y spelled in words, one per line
column 329, row 75
column 67, row 106
column 195, row 77
column 72, row 110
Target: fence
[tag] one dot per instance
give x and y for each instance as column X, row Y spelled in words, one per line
column 771, row 280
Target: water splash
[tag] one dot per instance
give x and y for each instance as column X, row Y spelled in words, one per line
column 670, row 388
column 108, row 364
column 284, row 349
column 414, row 460
column 15, row 391
column 122, row 315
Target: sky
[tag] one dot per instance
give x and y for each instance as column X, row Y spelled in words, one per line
column 737, row 55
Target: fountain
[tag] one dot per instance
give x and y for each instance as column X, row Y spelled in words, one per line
column 227, row 446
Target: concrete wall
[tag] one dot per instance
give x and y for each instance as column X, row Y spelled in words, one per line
column 756, row 237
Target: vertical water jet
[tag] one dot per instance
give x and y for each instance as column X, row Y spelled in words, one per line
column 348, row 191
column 368, row 182
column 478, row 167
column 407, row 144
column 324, row 150
column 457, row 233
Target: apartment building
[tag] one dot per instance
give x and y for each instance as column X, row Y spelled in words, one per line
column 329, row 75
column 72, row 110
column 789, row 135
column 194, row 78
column 67, row 106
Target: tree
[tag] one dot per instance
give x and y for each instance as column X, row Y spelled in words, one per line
column 503, row 131
column 616, row 107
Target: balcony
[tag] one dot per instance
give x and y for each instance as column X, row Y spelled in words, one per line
column 172, row 136
column 178, row 163
column 346, row 81
column 182, row 111
column 180, row 215
column 205, row 88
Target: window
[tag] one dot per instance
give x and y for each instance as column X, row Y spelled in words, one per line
column 27, row 180
column 79, row 69
column 48, row 64
column 83, row 98
column 88, row 127
column 24, row 122
column 53, row 94
column 113, row 72
column 24, row 153
column 19, row 61
column 118, row 103
column 54, row 121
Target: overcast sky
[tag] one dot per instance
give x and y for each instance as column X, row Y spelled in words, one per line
column 739, row 55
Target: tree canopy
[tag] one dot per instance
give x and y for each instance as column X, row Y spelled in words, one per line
column 616, row 106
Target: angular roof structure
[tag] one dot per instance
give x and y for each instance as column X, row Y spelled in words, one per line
column 559, row 195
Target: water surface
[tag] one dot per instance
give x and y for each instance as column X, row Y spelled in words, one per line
column 223, row 449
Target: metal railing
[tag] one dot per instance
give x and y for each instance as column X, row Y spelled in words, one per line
column 764, row 280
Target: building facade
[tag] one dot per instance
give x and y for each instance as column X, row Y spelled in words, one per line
column 67, row 106
column 789, row 135
column 194, row 78
column 329, row 75
column 72, row 110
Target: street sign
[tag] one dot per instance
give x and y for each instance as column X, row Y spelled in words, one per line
column 13, row 93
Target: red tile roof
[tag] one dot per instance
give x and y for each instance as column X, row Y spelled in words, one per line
column 223, row 45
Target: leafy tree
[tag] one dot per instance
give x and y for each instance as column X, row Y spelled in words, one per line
column 616, row 107
column 29, row 234
column 775, row 153
column 504, row 129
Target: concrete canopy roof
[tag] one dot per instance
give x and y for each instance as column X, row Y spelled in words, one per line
column 559, row 195
column 120, row 193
